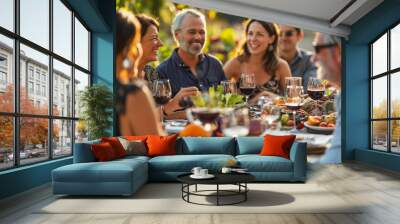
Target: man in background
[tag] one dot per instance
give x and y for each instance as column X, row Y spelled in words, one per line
column 298, row 59
column 328, row 58
column 188, row 65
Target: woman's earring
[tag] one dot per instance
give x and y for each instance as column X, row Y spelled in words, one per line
column 270, row 48
column 126, row 63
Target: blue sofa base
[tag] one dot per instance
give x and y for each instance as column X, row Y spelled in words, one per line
column 125, row 176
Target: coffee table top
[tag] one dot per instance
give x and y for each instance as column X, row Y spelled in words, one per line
column 220, row 178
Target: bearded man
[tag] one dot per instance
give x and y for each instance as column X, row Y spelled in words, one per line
column 188, row 66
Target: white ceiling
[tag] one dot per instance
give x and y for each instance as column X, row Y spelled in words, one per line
column 316, row 15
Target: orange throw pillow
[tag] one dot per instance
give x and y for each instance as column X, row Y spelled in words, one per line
column 161, row 145
column 116, row 145
column 135, row 138
column 103, row 152
column 193, row 130
column 277, row 145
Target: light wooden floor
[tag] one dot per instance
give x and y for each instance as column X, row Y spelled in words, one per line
column 378, row 188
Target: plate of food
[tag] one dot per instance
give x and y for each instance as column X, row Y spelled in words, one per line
column 321, row 124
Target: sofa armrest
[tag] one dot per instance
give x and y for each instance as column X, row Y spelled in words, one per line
column 298, row 155
column 83, row 152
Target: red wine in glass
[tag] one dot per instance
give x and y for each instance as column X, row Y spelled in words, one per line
column 161, row 100
column 247, row 90
column 316, row 94
column 293, row 106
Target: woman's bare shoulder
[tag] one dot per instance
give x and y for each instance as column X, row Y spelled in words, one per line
column 283, row 68
column 232, row 67
column 282, row 64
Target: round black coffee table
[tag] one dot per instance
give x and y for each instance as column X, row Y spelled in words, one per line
column 238, row 179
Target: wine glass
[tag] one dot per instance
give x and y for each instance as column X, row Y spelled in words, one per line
column 293, row 81
column 315, row 88
column 236, row 122
column 247, row 85
column 162, row 91
column 271, row 113
column 293, row 101
column 229, row 86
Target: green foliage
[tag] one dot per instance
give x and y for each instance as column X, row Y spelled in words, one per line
column 96, row 102
column 221, row 37
column 215, row 98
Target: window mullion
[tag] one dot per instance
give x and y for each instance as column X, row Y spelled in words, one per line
column 388, row 95
column 73, row 82
column 16, row 69
column 50, row 81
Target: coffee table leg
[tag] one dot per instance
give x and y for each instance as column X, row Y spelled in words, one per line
column 245, row 191
column 217, row 194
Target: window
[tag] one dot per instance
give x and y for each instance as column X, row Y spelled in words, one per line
column 6, row 71
column 30, row 72
column 30, row 87
column 41, row 83
column 81, row 45
column 3, row 61
column 37, row 74
column 43, row 77
column 44, row 91
column 385, row 96
column 3, row 72
column 38, row 89
column 7, row 14
column 3, row 78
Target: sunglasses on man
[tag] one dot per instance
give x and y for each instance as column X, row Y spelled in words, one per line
column 288, row 33
column 318, row 48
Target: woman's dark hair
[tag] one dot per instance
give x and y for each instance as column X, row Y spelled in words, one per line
column 127, row 29
column 270, row 58
column 146, row 21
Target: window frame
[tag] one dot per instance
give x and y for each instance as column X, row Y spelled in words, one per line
column 388, row 74
column 16, row 62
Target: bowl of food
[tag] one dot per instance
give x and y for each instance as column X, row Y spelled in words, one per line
column 324, row 124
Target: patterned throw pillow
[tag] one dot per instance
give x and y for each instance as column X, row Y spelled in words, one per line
column 133, row 147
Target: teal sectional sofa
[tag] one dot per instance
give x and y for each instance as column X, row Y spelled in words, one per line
column 125, row 176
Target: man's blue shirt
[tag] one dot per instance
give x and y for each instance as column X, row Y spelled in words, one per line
column 302, row 66
column 209, row 72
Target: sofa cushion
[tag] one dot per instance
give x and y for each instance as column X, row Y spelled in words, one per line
column 116, row 145
column 257, row 163
column 277, row 145
column 133, row 147
column 249, row 145
column 205, row 145
column 98, row 172
column 161, row 145
column 185, row 163
column 103, row 152
column 135, row 137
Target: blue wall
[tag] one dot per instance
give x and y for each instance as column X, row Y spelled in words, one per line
column 99, row 16
column 356, row 85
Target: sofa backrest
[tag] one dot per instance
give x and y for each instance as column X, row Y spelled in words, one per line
column 205, row 145
column 249, row 145
column 83, row 152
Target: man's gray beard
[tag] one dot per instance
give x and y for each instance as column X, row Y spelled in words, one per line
column 185, row 47
column 323, row 73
